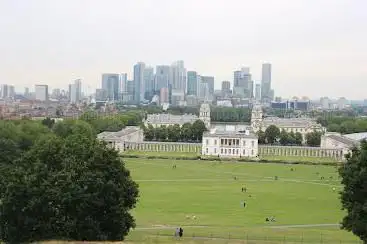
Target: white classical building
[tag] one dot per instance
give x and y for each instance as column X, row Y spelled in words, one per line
column 230, row 144
column 334, row 140
column 117, row 139
column 301, row 125
column 157, row 120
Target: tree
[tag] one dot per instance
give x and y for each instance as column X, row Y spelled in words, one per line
column 262, row 137
column 149, row 132
column 298, row 138
column 71, row 187
column 353, row 195
column 48, row 122
column 174, row 132
column 272, row 134
column 284, row 138
column 198, row 128
column 313, row 139
column 186, row 132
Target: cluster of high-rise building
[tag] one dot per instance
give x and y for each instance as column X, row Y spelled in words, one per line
column 165, row 84
column 175, row 85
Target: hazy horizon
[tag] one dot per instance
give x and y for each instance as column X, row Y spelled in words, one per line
column 316, row 48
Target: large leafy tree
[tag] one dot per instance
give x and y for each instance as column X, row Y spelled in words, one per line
column 70, row 187
column 354, row 193
column 272, row 134
column 198, row 128
column 313, row 139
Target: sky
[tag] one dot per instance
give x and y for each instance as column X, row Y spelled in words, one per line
column 316, row 47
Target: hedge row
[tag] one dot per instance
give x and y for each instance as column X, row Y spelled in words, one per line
column 231, row 159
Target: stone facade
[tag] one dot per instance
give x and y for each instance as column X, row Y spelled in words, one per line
column 157, row 120
column 117, row 139
column 301, row 125
column 337, row 141
column 263, row 150
column 231, row 144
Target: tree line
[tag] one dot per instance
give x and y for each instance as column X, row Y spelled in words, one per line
column 57, row 181
column 173, row 133
column 112, row 123
column 217, row 114
column 273, row 135
column 344, row 125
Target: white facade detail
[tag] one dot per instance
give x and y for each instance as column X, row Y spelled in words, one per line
column 230, row 144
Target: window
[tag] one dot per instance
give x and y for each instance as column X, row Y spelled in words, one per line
column 215, row 150
column 236, row 151
column 244, row 152
column 225, row 141
column 230, row 142
column 207, row 142
column 221, row 141
column 252, row 152
column 233, row 151
column 221, row 150
column 215, row 142
column 207, row 150
column 225, row 151
column 253, row 143
column 244, row 142
column 237, row 142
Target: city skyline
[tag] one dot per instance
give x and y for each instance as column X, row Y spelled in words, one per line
column 320, row 52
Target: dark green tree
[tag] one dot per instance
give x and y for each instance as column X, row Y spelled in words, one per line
column 298, row 138
column 198, row 128
column 149, row 132
column 186, row 132
column 284, row 138
column 48, row 122
column 272, row 134
column 70, row 188
column 353, row 195
column 313, row 139
column 261, row 137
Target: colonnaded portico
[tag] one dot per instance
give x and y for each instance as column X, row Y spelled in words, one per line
column 264, row 150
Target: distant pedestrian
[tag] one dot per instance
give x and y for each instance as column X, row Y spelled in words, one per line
column 180, row 232
column 244, row 204
column 177, row 232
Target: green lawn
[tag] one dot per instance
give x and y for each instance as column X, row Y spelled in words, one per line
column 167, row 154
column 171, row 197
column 191, row 154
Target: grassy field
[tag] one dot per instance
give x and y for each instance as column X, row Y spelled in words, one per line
column 191, row 154
column 306, row 208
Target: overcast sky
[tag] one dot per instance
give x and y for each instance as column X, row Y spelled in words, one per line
column 317, row 47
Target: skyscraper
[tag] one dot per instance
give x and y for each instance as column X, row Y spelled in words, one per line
column 178, row 77
column 258, row 92
column 266, row 82
column 123, row 86
column 242, row 83
column 226, row 87
column 111, row 83
column 162, row 74
column 41, row 92
column 210, row 81
column 139, row 82
column 193, row 84
column 75, row 91
column 149, row 86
